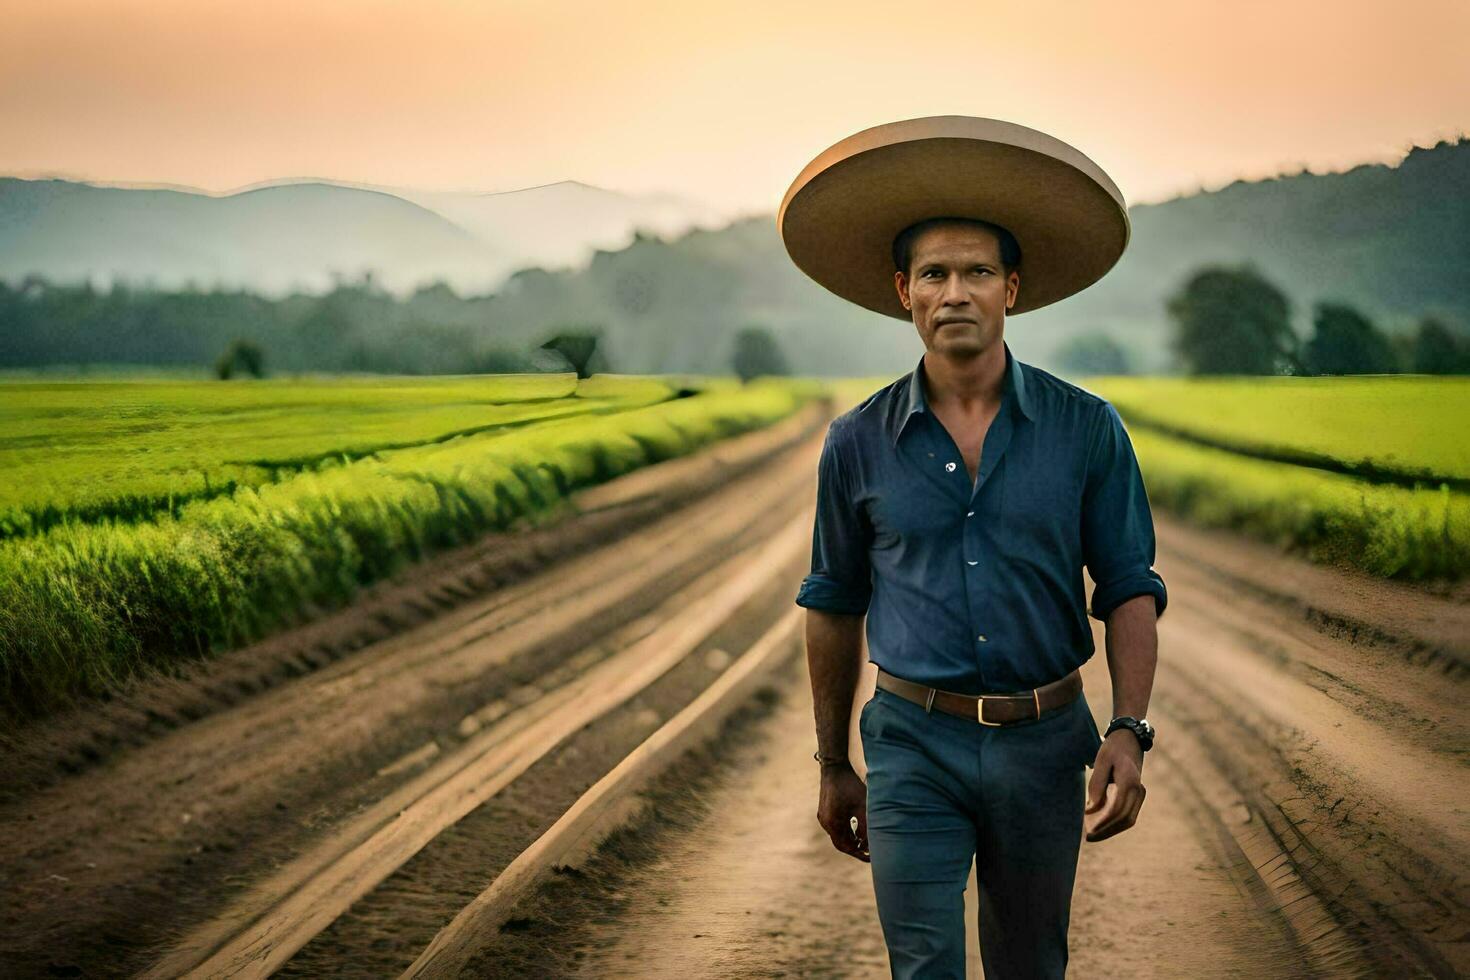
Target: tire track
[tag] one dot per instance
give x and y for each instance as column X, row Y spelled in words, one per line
column 1347, row 759
column 288, row 910
column 101, row 869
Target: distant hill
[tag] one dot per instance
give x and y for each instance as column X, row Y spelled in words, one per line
column 561, row 224
column 1392, row 240
column 303, row 236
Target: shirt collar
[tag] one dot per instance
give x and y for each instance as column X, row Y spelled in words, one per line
column 1014, row 381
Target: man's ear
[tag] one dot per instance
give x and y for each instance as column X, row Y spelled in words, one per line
column 1013, row 287
column 900, row 282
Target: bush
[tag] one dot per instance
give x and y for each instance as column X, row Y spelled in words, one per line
column 241, row 355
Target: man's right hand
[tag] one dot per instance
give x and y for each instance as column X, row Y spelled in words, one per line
column 844, row 796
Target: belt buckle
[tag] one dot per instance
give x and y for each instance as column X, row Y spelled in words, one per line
column 980, row 713
column 980, row 709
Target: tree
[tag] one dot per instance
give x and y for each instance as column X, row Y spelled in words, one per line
column 580, row 351
column 1233, row 321
column 324, row 333
column 1438, row 351
column 1092, row 353
column 1344, row 342
column 242, row 355
column 757, row 353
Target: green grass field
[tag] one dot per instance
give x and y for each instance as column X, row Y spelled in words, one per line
column 288, row 498
column 143, row 522
column 129, row 450
column 1392, row 428
column 1364, row 471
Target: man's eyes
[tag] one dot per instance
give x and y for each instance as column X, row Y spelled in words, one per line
column 937, row 271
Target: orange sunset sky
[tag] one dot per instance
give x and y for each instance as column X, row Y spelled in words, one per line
column 720, row 102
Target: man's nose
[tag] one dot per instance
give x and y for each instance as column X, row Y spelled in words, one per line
column 954, row 292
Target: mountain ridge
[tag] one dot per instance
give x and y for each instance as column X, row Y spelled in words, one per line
column 1393, row 241
column 473, row 240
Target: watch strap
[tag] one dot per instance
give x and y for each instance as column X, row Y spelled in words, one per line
column 1141, row 730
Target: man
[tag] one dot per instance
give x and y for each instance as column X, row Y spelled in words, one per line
column 956, row 510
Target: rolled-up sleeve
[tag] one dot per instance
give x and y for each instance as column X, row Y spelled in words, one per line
column 1117, row 525
column 841, row 573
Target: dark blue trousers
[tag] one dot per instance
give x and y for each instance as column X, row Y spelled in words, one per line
column 944, row 792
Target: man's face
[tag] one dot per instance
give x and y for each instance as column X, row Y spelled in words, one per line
column 957, row 291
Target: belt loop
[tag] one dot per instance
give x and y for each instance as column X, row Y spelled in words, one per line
column 1036, row 699
column 930, row 702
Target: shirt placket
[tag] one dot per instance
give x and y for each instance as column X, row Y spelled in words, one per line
column 978, row 566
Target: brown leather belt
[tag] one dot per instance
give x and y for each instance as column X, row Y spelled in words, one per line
column 994, row 710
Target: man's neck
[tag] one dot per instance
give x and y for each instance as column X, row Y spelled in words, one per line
column 969, row 385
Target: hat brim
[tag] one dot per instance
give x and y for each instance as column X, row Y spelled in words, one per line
column 840, row 216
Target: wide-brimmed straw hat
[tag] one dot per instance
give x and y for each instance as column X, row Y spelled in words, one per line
column 842, row 213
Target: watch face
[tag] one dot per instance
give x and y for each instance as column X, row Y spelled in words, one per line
column 1140, row 728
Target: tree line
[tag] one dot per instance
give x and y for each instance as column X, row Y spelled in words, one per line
column 1224, row 320
column 1233, row 320
column 356, row 327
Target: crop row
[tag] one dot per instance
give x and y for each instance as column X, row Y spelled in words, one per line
column 83, row 607
column 1384, row 529
column 132, row 451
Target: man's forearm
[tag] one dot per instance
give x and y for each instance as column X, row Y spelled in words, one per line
column 1133, row 653
column 834, row 651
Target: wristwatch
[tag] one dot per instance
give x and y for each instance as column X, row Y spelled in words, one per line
column 1140, row 728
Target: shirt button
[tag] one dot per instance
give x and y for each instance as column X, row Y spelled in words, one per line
column 981, row 638
column 949, row 467
column 974, row 563
column 970, row 514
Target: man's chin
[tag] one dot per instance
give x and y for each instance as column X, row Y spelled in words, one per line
column 956, row 344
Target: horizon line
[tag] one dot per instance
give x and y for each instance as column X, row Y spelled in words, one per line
column 735, row 212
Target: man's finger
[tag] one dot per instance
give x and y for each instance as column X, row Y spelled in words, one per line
column 860, row 833
column 846, row 840
column 1097, row 786
column 1137, row 806
column 1118, row 817
column 1130, row 812
column 1115, row 807
column 857, row 826
column 831, row 832
column 1113, row 804
column 847, row 843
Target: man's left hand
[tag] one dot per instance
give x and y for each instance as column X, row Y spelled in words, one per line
column 1119, row 761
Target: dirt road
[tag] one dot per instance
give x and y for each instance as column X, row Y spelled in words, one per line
column 755, row 888
column 325, row 803
column 1298, row 776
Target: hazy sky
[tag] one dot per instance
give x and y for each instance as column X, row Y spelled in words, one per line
column 723, row 102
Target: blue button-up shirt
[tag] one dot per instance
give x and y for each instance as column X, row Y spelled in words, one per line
column 978, row 589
